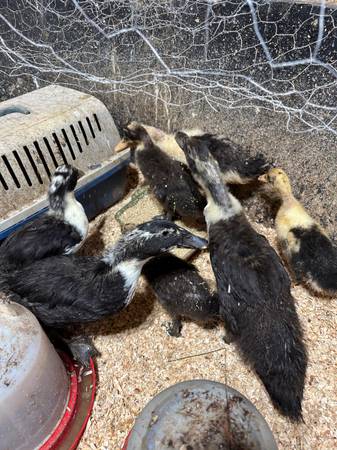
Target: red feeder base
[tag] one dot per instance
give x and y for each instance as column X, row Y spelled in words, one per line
column 125, row 446
column 82, row 389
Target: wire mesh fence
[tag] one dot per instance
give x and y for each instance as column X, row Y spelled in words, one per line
column 237, row 54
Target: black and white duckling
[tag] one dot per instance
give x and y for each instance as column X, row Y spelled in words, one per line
column 61, row 230
column 169, row 179
column 253, row 287
column 311, row 255
column 61, row 290
column 181, row 291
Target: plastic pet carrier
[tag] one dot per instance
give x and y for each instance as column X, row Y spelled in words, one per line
column 44, row 129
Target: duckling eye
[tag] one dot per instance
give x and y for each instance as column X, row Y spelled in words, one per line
column 165, row 233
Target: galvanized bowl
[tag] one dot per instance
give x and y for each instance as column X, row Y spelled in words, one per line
column 200, row 415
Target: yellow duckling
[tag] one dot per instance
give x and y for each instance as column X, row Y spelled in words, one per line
column 305, row 245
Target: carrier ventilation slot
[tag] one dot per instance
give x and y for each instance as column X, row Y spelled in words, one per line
column 22, row 167
column 76, row 138
column 89, row 131
column 50, row 151
column 42, row 158
column 32, row 163
column 57, row 142
column 68, row 144
column 90, row 127
column 3, row 182
column 11, row 171
column 97, row 122
column 83, row 132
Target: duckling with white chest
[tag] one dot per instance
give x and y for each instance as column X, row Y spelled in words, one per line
column 62, row 230
column 253, row 287
column 310, row 253
column 62, row 290
column 181, row 291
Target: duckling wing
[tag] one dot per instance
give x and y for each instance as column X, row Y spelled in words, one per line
column 183, row 194
column 171, row 182
column 228, row 154
column 180, row 288
column 66, row 289
column 231, row 157
column 316, row 259
column 256, row 273
column 46, row 236
column 249, row 274
column 53, row 281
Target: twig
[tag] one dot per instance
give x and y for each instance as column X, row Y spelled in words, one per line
column 197, row 354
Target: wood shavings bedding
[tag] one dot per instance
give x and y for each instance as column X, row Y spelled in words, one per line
column 138, row 359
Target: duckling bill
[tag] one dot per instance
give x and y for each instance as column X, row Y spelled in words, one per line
column 306, row 247
column 253, row 287
column 61, row 290
column 181, row 291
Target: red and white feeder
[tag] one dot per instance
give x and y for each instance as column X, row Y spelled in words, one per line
column 45, row 400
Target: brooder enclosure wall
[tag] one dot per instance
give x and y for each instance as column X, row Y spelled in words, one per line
column 261, row 72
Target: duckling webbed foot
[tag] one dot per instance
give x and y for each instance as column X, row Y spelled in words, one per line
column 228, row 337
column 82, row 349
column 174, row 328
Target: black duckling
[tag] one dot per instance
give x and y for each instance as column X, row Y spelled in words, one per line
column 169, row 179
column 61, row 290
column 235, row 163
column 61, row 230
column 181, row 291
column 253, row 286
column 311, row 255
